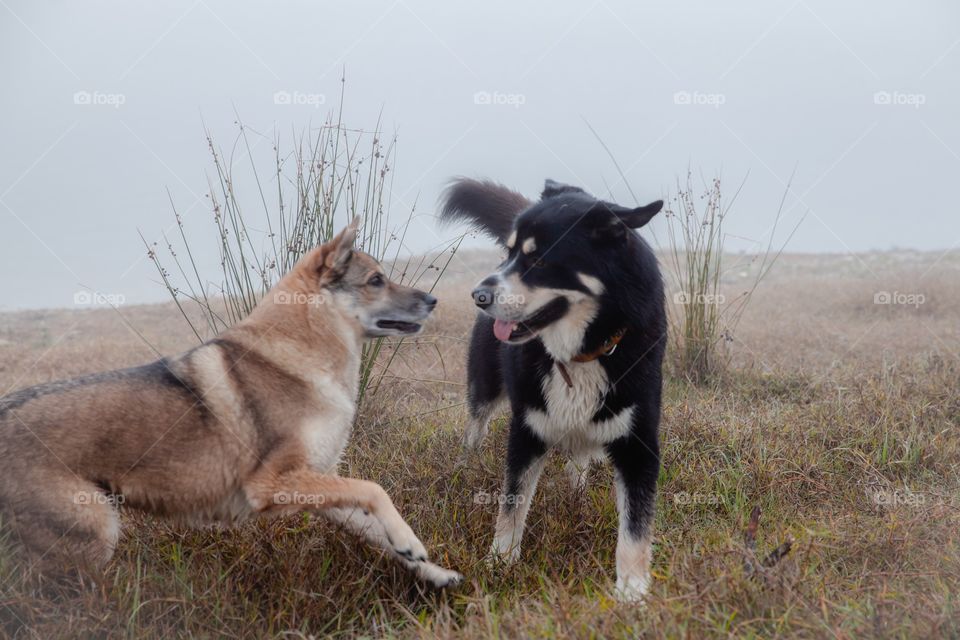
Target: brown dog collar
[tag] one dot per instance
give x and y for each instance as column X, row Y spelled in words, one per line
column 605, row 349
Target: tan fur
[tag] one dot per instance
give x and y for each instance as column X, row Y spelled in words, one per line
column 252, row 423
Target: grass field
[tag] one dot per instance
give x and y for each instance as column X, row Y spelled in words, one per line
column 838, row 418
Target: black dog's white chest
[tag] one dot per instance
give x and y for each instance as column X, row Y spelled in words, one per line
column 569, row 409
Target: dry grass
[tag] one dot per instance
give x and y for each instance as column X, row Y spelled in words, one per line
column 839, row 420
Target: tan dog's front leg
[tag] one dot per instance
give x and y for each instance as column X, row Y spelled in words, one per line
column 305, row 490
column 370, row 528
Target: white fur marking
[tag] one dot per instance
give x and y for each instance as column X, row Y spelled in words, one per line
column 567, row 420
column 529, row 245
column 596, row 287
column 513, row 514
column 564, row 337
column 632, row 588
column 633, row 556
column 576, row 469
column 478, row 426
column 512, row 240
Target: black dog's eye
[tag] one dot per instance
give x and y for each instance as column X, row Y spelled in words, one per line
column 376, row 281
column 537, row 263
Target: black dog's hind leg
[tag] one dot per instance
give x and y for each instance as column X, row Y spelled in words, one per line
column 636, row 462
column 526, row 455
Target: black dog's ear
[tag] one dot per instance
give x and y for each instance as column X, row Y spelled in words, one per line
column 636, row 218
column 611, row 221
column 553, row 188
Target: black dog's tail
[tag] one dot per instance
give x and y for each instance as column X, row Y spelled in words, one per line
column 491, row 207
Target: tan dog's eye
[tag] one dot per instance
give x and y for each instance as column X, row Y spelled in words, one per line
column 376, row 281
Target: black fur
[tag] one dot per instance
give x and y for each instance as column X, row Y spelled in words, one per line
column 575, row 234
column 488, row 205
column 553, row 188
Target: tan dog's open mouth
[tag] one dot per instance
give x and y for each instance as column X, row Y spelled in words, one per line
column 399, row 325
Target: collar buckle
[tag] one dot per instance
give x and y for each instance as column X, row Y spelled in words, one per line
column 606, row 349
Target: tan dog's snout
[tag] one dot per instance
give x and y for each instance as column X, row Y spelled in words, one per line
column 400, row 311
column 423, row 301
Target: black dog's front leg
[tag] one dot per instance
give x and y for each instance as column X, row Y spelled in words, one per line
column 526, row 454
column 636, row 462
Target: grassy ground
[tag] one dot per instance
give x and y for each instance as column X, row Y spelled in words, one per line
column 838, row 419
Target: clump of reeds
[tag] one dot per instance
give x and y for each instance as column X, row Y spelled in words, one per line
column 331, row 175
column 707, row 319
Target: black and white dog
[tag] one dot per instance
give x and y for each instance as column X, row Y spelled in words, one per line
column 572, row 334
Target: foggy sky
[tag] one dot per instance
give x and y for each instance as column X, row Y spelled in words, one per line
column 859, row 98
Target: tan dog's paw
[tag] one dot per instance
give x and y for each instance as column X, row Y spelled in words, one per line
column 406, row 544
column 415, row 552
column 437, row 576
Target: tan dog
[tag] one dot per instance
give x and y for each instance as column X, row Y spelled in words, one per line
column 251, row 423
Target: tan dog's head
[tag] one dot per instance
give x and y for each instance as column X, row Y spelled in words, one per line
column 337, row 275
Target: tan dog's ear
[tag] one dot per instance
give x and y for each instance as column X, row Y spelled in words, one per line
column 342, row 246
column 331, row 258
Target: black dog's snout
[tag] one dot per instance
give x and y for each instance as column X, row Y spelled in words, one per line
column 482, row 297
column 484, row 294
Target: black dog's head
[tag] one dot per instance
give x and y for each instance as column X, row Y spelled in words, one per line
column 558, row 266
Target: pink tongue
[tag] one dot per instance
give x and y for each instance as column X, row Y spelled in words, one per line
column 502, row 329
